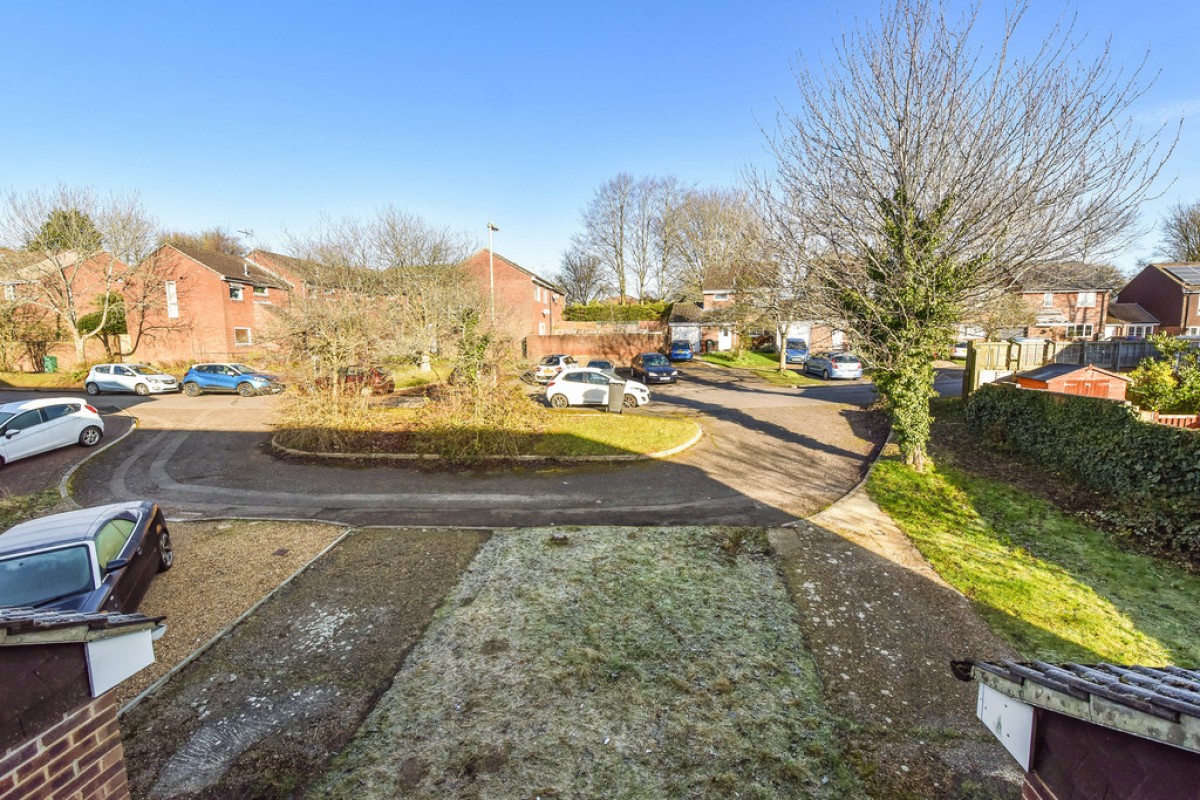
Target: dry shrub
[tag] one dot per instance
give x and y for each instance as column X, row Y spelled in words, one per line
column 320, row 423
column 470, row 421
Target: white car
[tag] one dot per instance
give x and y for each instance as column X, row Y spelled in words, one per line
column 584, row 386
column 35, row 426
column 138, row 378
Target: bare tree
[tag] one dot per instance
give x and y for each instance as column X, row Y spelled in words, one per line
column 925, row 169
column 669, row 196
column 85, row 246
column 1181, row 232
column 581, row 275
column 606, row 222
column 216, row 239
column 717, row 236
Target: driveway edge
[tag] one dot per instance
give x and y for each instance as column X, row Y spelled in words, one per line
column 495, row 459
column 64, row 483
column 219, row 635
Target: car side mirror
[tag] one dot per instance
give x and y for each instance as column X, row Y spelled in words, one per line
column 116, row 564
column 10, row 434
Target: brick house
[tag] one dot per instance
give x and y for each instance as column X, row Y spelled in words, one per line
column 1129, row 320
column 1169, row 292
column 1083, row 731
column 58, row 721
column 218, row 306
column 526, row 304
column 1068, row 301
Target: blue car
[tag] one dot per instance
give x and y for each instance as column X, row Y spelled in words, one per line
column 796, row 351
column 239, row 378
column 653, row 368
column 681, row 351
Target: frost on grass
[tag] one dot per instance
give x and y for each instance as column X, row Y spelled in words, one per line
column 624, row 663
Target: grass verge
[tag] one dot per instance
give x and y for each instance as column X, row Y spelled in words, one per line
column 605, row 662
column 1054, row 586
column 17, row 508
column 41, row 380
column 765, row 365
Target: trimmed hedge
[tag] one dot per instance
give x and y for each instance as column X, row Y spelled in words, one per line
column 1152, row 471
column 604, row 312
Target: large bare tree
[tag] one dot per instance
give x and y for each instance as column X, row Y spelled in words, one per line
column 85, row 246
column 581, row 275
column 606, row 222
column 1181, row 232
column 921, row 168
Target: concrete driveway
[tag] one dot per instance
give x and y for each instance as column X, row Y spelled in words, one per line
column 770, row 455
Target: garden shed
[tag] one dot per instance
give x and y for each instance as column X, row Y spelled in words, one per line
column 1089, row 380
column 1098, row 730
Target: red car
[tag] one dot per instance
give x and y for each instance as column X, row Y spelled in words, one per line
column 361, row 380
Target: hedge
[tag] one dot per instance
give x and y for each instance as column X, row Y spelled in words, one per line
column 605, row 312
column 1151, row 470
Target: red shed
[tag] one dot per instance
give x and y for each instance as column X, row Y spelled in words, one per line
column 1089, row 381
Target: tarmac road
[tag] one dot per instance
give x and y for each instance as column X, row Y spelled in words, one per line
column 770, row 455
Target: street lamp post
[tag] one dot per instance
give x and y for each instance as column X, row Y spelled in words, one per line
column 492, row 272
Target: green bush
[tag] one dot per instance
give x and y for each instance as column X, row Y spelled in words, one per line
column 604, row 312
column 1151, row 471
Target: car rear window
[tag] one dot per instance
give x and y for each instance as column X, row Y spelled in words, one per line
column 844, row 359
column 549, row 361
column 27, row 580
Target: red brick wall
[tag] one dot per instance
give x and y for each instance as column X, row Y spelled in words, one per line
column 620, row 348
column 1159, row 294
column 520, row 302
column 79, row 758
column 1065, row 302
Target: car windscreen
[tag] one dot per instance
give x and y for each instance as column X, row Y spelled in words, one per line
column 5, row 416
column 242, row 368
column 142, row 369
column 655, row 360
column 28, row 580
column 796, row 344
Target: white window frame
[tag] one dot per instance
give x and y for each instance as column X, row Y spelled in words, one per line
column 249, row 339
column 172, row 300
column 237, row 292
column 1193, row 331
column 1085, row 300
column 537, row 293
column 10, row 292
column 1047, row 299
column 1086, row 327
column 262, row 291
column 1139, row 330
column 541, row 329
column 720, row 297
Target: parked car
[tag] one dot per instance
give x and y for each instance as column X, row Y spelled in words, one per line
column 959, row 351
column 764, row 343
column 581, row 386
column 361, row 380
column 30, row 427
column 599, row 363
column 653, row 368
column 95, row 559
column 239, row 378
column 138, row 378
column 834, row 365
column 796, row 351
column 551, row 365
column 681, row 351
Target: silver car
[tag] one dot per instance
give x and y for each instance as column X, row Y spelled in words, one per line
column 834, row 365
column 137, row 378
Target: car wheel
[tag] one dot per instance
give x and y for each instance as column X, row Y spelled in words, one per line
column 166, row 556
column 191, row 389
column 141, row 389
column 246, row 390
column 825, row 374
column 90, row 436
column 92, row 389
column 559, row 401
column 629, row 401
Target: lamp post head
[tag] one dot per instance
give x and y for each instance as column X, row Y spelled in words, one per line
column 492, row 227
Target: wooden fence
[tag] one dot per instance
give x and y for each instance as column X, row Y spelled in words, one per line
column 1191, row 421
column 990, row 361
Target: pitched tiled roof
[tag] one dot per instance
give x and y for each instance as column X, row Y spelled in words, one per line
column 233, row 268
column 1068, row 276
column 1114, row 696
column 65, row 625
column 1130, row 312
column 1048, row 371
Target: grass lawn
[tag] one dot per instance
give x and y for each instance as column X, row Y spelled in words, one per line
column 1054, row 586
column 617, row 663
column 15, row 509
column 765, row 365
column 40, row 380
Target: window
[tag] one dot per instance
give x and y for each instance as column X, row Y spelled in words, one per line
column 105, row 370
column 111, row 539
column 1079, row 331
column 25, row 420
column 1193, row 331
column 54, row 412
column 235, row 291
column 1047, row 299
column 720, row 296
column 537, row 292
column 541, row 329
column 1139, row 330
column 260, row 291
column 241, row 336
column 1085, row 300
column 597, row 378
column 10, row 292
column 575, row 377
column 172, row 301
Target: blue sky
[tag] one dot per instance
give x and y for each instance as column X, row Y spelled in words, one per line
column 263, row 116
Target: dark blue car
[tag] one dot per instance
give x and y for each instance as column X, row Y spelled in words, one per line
column 94, row 559
column 653, row 368
column 681, row 351
column 239, row 378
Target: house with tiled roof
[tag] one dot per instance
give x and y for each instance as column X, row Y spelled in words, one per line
column 1093, row 730
column 1068, row 301
column 1170, row 293
column 59, row 736
column 524, row 303
column 1129, row 321
column 218, row 306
